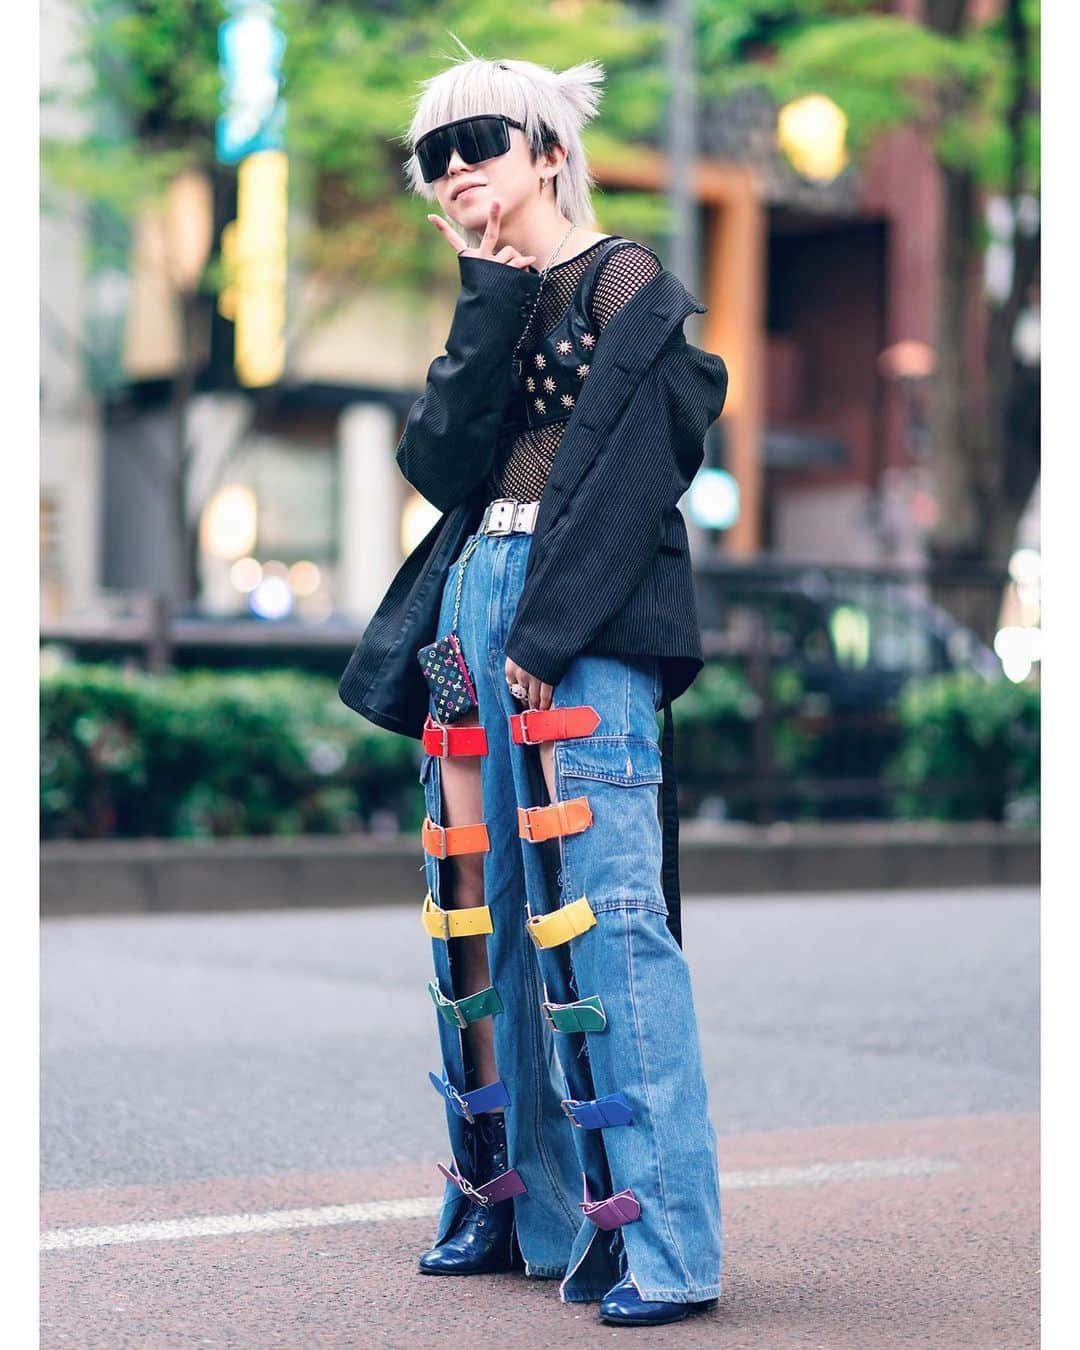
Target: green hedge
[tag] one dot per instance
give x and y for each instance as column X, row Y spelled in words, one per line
column 715, row 723
column 210, row 753
column 970, row 750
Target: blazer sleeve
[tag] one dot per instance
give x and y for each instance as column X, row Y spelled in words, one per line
column 451, row 430
column 599, row 551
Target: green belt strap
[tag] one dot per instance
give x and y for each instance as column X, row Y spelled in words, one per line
column 461, row 1012
column 587, row 1014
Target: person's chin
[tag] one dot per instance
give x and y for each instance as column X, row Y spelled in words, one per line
column 472, row 204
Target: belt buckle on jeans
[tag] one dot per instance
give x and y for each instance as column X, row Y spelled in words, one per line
column 495, row 509
column 567, row 1104
column 444, row 737
column 521, row 716
column 444, row 915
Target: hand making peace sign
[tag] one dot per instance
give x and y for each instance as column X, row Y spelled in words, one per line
column 486, row 248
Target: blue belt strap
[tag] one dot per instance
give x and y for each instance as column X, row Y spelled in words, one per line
column 613, row 1109
column 470, row 1104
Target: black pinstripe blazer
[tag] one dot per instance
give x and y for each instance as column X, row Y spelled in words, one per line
column 609, row 566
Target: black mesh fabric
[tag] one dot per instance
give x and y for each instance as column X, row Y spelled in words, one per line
column 528, row 461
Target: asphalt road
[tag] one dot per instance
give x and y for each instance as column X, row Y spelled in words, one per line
column 882, row 1048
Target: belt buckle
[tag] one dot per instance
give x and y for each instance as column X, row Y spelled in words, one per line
column 499, row 505
column 474, row 1194
column 527, row 812
column 527, row 712
column 444, row 732
column 567, row 1104
column 463, row 1105
column 442, row 839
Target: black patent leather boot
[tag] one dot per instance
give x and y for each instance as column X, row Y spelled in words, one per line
column 482, row 1240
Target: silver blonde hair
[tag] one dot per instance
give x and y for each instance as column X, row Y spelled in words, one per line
column 553, row 105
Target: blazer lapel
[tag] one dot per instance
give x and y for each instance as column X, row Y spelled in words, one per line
column 625, row 351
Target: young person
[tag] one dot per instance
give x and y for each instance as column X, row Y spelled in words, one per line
column 556, row 434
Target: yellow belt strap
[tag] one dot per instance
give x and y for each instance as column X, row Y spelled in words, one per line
column 452, row 923
column 570, row 921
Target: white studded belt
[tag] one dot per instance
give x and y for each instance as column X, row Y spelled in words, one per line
column 504, row 515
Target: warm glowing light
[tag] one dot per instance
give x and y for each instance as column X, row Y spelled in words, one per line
column 305, row 578
column 189, row 227
column 907, row 360
column 416, row 519
column 245, row 574
column 254, row 251
column 229, row 522
column 811, row 132
column 274, row 567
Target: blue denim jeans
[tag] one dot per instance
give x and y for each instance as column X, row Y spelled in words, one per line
column 648, row 1047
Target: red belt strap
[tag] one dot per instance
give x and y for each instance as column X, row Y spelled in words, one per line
column 553, row 724
column 438, row 738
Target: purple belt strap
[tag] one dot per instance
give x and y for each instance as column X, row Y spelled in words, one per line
column 491, row 1192
column 617, row 1209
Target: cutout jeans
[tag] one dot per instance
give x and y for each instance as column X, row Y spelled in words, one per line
column 643, row 1050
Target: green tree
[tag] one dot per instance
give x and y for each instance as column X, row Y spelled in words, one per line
column 971, row 90
column 149, row 79
column 352, row 71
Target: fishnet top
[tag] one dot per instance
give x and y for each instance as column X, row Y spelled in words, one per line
column 524, row 471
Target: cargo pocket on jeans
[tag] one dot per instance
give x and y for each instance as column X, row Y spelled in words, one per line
column 616, row 861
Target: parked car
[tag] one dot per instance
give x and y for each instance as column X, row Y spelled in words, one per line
column 827, row 651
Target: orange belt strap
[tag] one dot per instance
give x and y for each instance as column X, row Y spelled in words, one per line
column 553, row 724
column 571, row 816
column 445, row 841
column 438, row 738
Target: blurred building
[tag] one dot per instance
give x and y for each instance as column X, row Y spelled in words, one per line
column 294, row 490
column 70, row 425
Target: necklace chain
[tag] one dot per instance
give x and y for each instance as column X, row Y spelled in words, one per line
column 536, row 301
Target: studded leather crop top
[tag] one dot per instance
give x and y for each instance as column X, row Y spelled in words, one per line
column 579, row 298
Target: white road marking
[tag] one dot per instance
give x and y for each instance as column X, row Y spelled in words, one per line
column 817, row 1174
column 422, row 1207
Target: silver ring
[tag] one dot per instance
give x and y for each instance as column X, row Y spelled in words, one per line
column 519, row 691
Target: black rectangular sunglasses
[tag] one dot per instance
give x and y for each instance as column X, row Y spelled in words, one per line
column 474, row 138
